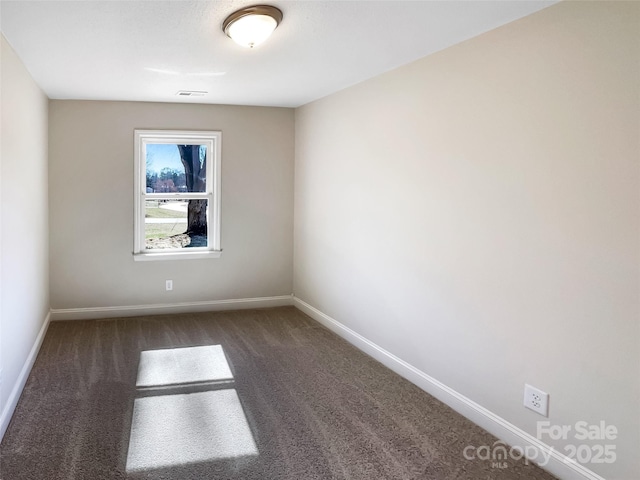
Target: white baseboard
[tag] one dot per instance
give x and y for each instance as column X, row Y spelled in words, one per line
column 558, row 464
column 165, row 308
column 12, row 401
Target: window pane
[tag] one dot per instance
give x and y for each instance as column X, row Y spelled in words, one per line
column 175, row 224
column 174, row 168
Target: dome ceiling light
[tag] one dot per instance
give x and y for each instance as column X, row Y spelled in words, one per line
column 251, row 26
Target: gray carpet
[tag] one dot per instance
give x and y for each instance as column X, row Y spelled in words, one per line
column 261, row 394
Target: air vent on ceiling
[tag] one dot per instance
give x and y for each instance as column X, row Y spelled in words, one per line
column 191, row 93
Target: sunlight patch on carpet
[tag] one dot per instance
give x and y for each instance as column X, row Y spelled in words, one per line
column 178, row 366
column 186, row 426
column 171, row 430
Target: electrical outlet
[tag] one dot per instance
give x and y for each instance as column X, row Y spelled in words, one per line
column 169, row 285
column 536, row 400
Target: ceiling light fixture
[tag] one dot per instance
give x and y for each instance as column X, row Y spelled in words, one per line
column 191, row 93
column 251, row 26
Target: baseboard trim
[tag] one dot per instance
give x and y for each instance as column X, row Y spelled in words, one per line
column 12, row 401
column 558, row 464
column 166, row 308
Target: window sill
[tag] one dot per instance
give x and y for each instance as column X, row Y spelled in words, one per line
column 145, row 257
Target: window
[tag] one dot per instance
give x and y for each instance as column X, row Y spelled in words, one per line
column 177, row 195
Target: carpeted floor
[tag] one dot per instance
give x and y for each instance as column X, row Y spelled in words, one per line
column 267, row 394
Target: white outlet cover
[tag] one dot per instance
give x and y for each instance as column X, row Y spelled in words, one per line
column 536, row 400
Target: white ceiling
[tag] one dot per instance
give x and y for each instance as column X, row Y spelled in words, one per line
column 148, row 50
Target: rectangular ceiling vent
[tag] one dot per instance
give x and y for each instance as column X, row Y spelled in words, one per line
column 191, row 93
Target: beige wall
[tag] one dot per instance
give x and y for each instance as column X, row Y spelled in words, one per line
column 476, row 213
column 24, row 261
column 91, row 205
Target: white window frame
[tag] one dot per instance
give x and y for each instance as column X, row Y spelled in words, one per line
column 213, row 141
